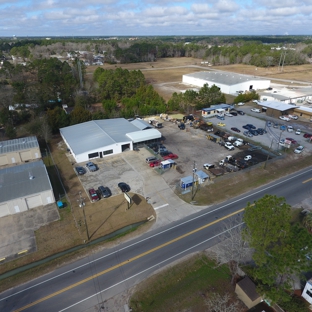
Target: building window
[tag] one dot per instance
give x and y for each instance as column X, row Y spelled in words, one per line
column 93, row 155
column 309, row 293
column 108, row 152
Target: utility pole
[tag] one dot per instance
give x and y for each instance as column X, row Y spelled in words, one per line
column 81, row 205
column 193, row 182
column 268, row 155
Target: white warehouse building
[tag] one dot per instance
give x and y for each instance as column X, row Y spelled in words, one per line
column 101, row 138
column 229, row 83
column 24, row 187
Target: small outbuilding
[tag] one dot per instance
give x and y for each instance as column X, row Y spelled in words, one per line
column 167, row 164
column 19, row 151
column 201, row 176
column 307, row 291
column 24, row 187
column 186, row 182
column 246, row 292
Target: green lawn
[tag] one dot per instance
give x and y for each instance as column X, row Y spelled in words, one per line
column 182, row 287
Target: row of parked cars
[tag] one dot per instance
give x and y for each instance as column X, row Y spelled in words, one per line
column 105, row 192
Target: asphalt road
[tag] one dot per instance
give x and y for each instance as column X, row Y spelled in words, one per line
column 92, row 280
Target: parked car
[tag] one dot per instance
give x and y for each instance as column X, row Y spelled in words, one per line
column 240, row 112
column 253, row 132
column 240, row 104
column 290, row 129
column 93, row 195
column 307, row 135
column 251, row 126
column 295, row 117
column 238, row 143
column 269, row 123
column 208, row 166
column 285, row 118
column 275, row 125
column 293, row 141
column 124, row 187
column 104, row 191
column 233, row 113
column 155, row 163
column 91, row 166
column 221, row 124
column 247, row 157
column 299, row 149
column 283, row 127
column 80, row 170
column 228, row 114
column 298, row 132
column 229, row 146
column 171, row 156
column 150, row 159
column 235, row 129
column 256, row 110
column 248, row 134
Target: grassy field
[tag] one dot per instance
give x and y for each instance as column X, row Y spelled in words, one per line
column 169, row 290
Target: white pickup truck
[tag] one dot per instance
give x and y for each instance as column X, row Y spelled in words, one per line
column 229, row 146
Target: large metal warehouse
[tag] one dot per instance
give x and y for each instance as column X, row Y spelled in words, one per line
column 229, row 83
column 101, row 138
column 24, row 187
column 18, row 151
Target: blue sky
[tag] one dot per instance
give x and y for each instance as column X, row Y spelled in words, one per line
column 154, row 17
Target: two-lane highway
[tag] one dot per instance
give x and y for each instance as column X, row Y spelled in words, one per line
column 96, row 278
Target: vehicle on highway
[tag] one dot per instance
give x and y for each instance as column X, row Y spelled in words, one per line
column 208, row 166
column 299, row 149
column 229, row 146
column 124, row 187
column 93, row 195
column 240, row 104
column 256, row 110
column 80, row 170
column 221, row 124
column 235, row 129
column 104, row 191
column 240, row 112
column 247, row 157
column 285, row 118
column 298, row 131
column 155, row 163
column 91, row 166
column 228, row 114
column 293, row 141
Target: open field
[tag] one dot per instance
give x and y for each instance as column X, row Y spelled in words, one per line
column 170, row 289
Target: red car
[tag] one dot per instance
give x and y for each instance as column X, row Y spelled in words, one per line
column 93, row 195
column 292, row 140
column 307, row 135
column 155, row 163
column 171, row 156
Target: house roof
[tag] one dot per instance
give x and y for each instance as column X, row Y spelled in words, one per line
column 217, row 106
column 187, row 180
column 249, row 288
column 16, row 182
column 224, row 78
column 280, row 106
column 18, row 144
column 95, row 134
column 141, row 124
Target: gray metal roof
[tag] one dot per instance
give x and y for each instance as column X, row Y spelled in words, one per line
column 139, row 136
column 218, row 106
column 95, row 134
column 281, row 106
column 141, row 124
column 224, row 78
column 18, row 144
column 15, row 181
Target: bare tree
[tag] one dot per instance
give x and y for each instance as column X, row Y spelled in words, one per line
column 232, row 249
column 222, row 303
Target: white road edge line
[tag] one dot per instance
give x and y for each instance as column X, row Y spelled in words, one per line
column 155, row 265
column 162, row 206
column 149, row 237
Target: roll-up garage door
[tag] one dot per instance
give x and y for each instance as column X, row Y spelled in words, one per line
column 4, row 210
column 25, row 155
column 3, row 160
column 33, row 201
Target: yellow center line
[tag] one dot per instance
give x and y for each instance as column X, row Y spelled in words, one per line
column 307, row 181
column 127, row 261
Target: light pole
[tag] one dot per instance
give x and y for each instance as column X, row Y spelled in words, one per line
column 268, row 155
column 81, row 205
column 193, row 182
